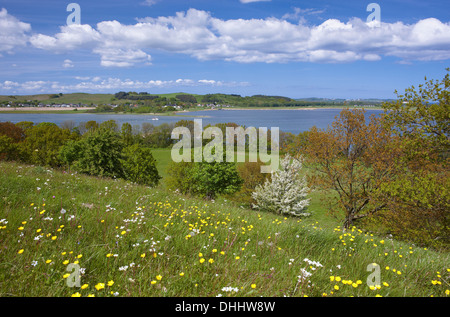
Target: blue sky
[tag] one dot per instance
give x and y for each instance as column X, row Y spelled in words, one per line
column 298, row 49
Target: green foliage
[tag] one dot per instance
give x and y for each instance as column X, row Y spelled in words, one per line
column 250, row 173
column 418, row 205
column 127, row 133
column 8, row 148
column 97, row 153
column 203, row 179
column 139, row 166
column 179, row 176
column 160, row 136
column 423, row 113
column 42, row 144
column 110, row 125
column 212, row 179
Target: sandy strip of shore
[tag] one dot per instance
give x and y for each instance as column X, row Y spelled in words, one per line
column 43, row 109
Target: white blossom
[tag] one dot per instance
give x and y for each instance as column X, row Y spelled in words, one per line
column 286, row 192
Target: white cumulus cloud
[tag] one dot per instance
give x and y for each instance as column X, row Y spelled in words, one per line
column 200, row 35
column 13, row 33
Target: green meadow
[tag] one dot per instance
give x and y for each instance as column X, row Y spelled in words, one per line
column 67, row 234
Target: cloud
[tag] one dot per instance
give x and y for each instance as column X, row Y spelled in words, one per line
column 13, row 33
column 250, row 1
column 116, row 57
column 68, row 63
column 149, row 2
column 200, row 35
column 95, row 84
column 298, row 13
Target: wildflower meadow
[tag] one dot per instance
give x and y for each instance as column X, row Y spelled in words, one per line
column 72, row 235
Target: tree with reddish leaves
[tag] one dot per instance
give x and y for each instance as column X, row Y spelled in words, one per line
column 352, row 159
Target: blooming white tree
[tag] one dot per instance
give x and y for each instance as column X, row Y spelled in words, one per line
column 286, row 192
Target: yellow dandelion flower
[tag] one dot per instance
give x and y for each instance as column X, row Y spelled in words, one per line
column 100, row 286
column 159, row 277
column 202, row 260
column 331, row 278
column 20, row 251
column 91, row 295
column 110, row 283
column 337, row 278
column 66, row 275
column 76, row 295
column 84, row 286
column 143, row 255
column 211, row 261
column 253, row 286
column 54, row 237
column 48, row 261
column 336, row 287
column 79, row 256
column 153, row 282
column 65, row 262
column 182, row 274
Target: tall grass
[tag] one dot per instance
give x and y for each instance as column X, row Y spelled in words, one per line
column 151, row 242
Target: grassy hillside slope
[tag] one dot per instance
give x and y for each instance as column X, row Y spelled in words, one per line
column 131, row 240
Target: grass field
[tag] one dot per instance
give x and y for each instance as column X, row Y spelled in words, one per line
column 123, row 239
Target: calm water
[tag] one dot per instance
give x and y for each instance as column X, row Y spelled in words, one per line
column 293, row 121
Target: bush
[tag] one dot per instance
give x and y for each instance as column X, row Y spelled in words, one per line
column 43, row 143
column 212, row 179
column 285, row 193
column 8, row 148
column 139, row 166
column 203, row 179
column 179, row 176
column 97, row 153
column 417, row 209
column 250, row 173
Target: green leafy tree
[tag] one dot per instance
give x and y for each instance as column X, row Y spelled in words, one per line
column 127, row 134
column 139, row 165
column 97, row 153
column 423, row 113
column 214, row 178
column 42, row 144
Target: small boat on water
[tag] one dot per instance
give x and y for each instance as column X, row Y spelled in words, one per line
column 155, row 119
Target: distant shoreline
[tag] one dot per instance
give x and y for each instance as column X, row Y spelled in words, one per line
column 71, row 110
column 43, row 109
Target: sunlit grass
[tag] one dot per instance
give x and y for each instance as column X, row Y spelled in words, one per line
column 131, row 240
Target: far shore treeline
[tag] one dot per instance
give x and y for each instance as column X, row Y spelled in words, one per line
column 143, row 102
